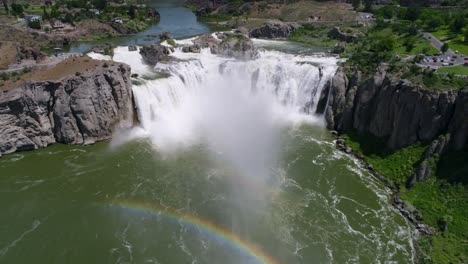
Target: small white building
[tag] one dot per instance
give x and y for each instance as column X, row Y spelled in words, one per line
column 32, row 18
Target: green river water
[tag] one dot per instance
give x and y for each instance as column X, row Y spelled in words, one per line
column 133, row 203
column 68, row 204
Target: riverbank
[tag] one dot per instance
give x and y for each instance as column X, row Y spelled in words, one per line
column 382, row 121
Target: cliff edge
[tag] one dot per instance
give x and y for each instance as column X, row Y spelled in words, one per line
column 395, row 110
column 61, row 105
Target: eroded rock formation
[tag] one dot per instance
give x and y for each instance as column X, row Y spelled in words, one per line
column 79, row 109
column 396, row 110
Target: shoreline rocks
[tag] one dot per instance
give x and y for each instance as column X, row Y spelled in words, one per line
column 152, row 54
column 274, row 30
column 405, row 209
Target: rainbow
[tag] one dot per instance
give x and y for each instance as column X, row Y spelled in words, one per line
column 204, row 224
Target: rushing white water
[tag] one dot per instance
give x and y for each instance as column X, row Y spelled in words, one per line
column 235, row 106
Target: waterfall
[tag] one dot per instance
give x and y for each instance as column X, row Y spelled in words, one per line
column 235, row 106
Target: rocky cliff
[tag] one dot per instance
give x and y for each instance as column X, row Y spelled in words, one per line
column 82, row 108
column 395, row 110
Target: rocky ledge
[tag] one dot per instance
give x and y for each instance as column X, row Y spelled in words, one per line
column 236, row 45
column 274, row 30
column 152, row 54
column 395, row 110
column 80, row 108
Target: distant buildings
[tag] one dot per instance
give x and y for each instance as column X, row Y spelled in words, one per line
column 32, row 18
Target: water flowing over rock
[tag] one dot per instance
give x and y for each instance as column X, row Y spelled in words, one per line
column 204, row 90
column 396, row 110
column 237, row 46
column 274, row 30
column 152, row 54
column 80, row 109
column 191, row 49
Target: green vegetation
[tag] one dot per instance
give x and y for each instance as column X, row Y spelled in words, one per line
column 171, row 42
column 215, row 18
column 432, row 80
column 459, row 70
column 397, row 166
column 444, row 206
column 316, row 36
column 441, row 200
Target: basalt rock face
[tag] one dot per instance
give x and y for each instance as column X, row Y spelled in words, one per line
column 228, row 44
column 274, row 30
column 238, row 46
column 75, row 110
column 395, row 110
column 152, row 54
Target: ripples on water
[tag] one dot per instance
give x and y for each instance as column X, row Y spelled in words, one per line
column 226, row 167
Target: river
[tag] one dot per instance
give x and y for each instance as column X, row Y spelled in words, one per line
column 228, row 165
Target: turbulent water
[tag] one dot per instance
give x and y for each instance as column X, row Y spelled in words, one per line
column 229, row 165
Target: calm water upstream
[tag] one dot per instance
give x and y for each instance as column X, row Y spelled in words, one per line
column 227, row 166
column 177, row 20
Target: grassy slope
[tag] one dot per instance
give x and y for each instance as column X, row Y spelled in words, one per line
column 420, row 45
column 460, row 70
column 313, row 36
column 455, row 41
column 434, row 198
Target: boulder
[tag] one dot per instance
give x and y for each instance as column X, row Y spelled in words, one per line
column 191, row 49
column 132, row 48
column 336, row 33
column 238, row 46
column 338, row 49
column 274, row 30
column 165, row 36
column 152, row 54
column 208, row 41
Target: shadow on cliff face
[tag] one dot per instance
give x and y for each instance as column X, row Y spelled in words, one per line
column 453, row 167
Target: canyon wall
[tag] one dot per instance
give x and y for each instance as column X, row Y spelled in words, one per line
column 395, row 110
column 80, row 109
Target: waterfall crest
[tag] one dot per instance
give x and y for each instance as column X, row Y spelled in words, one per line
column 236, row 106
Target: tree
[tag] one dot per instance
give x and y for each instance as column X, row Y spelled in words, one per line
column 458, row 23
column 45, row 14
column 36, row 24
column 466, row 36
column 434, row 22
column 16, row 9
column 5, row 4
column 100, row 4
column 413, row 13
column 444, row 48
column 357, row 4
column 132, row 12
column 368, row 5
column 410, row 43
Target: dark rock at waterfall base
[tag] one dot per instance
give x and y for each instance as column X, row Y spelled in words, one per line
column 238, row 46
column 165, row 36
column 338, row 49
column 132, row 48
column 336, row 33
column 191, row 49
column 152, row 54
column 229, row 44
column 274, row 30
column 208, row 41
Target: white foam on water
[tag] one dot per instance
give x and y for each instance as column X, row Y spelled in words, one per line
column 235, row 106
